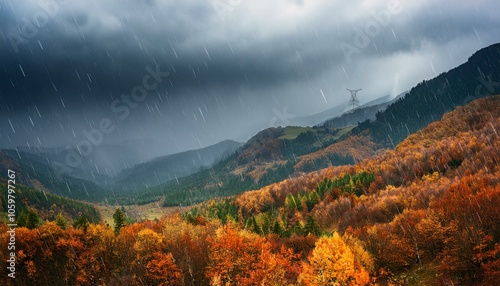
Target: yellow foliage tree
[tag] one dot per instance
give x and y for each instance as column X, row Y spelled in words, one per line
column 147, row 241
column 333, row 263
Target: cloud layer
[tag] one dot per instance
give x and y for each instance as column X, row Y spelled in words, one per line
column 63, row 63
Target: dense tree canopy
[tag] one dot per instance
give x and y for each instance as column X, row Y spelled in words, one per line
column 427, row 211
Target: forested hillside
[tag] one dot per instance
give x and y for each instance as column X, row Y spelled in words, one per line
column 425, row 212
column 274, row 155
column 38, row 172
column 46, row 206
column 268, row 157
column 429, row 100
column 168, row 168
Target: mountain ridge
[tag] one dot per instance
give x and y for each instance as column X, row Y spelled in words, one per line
column 278, row 153
column 390, row 127
column 423, row 210
column 171, row 167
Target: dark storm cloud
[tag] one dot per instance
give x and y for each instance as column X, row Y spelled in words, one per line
column 239, row 63
column 98, row 50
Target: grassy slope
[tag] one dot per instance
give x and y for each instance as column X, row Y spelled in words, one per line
column 292, row 132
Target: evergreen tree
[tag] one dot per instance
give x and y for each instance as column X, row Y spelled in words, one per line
column 312, row 227
column 290, row 202
column 81, row 222
column 277, row 229
column 297, row 228
column 119, row 219
column 255, row 226
column 22, row 219
column 29, row 220
column 61, row 221
column 266, row 223
column 190, row 218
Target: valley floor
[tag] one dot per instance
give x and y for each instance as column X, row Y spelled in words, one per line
column 151, row 211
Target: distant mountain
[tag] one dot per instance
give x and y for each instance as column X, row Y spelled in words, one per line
column 277, row 153
column 268, row 157
column 479, row 77
column 42, row 171
column 38, row 172
column 46, row 205
column 100, row 166
column 340, row 110
column 318, row 118
column 172, row 167
column 362, row 113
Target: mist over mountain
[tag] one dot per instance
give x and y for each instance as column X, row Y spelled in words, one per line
column 275, row 154
column 173, row 167
column 361, row 113
column 214, row 78
column 107, row 160
column 117, row 174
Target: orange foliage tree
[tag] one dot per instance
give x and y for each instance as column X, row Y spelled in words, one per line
column 243, row 258
column 163, row 271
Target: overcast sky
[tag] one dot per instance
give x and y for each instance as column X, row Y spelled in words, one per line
column 233, row 66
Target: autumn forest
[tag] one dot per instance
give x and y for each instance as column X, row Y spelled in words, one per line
column 426, row 212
